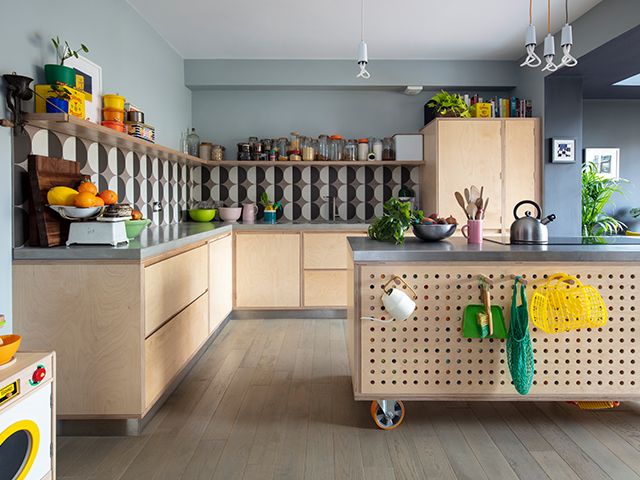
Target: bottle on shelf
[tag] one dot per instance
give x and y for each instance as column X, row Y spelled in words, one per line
column 350, row 151
column 363, row 149
column 388, row 149
column 376, row 149
column 323, row 148
column 336, row 147
column 193, row 143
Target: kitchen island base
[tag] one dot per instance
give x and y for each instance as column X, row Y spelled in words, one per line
column 426, row 356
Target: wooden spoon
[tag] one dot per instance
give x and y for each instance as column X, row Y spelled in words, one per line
column 479, row 205
column 474, row 193
column 461, row 201
column 466, row 195
column 484, row 209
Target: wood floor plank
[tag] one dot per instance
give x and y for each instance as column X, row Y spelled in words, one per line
column 461, row 456
column 235, row 455
column 319, row 457
column 265, row 367
column 529, row 436
column 204, row 460
column 577, row 459
column 601, row 455
column 346, row 442
column 519, row 458
column 555, row 466
column 372, row 473
column 625, row 424
column 321, row 368
column 486, row 452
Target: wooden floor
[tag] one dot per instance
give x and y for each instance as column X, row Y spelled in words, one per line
column 272, row 400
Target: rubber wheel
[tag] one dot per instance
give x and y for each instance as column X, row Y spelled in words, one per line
column 381, row 419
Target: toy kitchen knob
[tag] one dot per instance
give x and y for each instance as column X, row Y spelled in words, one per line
column 38, row 375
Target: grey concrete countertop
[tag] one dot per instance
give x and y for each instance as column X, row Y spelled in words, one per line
column 365, row 250
column 158, row 240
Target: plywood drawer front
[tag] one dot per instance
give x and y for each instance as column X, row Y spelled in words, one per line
column 172, row 284
column 267, row 270
column 325, row 288
column 220, row 280
column 171, row 347
column 326, row 250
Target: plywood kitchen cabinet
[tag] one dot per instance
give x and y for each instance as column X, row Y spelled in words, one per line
column 503, row 155
column 220, row 280
column 124, row 331
column 325, row 288
column 268, row 272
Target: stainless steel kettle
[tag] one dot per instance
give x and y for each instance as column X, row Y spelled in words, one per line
column 530, row 230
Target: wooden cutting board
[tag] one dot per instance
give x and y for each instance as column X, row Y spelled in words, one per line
column 47, row 228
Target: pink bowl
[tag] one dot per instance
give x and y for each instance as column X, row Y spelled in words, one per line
column 230, row 214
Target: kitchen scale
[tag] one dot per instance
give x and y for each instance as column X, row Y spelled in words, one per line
column 101, row 231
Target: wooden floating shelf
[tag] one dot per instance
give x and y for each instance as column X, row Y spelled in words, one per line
column 314, row 163
column 77, row 127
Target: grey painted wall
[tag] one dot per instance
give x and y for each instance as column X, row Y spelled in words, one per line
column 135, row 61
column 616, row 123
column 230, row 116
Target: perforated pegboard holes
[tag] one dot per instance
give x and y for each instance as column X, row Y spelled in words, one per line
column 427, row 355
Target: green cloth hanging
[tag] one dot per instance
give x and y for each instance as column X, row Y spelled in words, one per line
column 519, row 348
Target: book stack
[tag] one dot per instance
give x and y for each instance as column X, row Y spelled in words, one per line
column 511, row 107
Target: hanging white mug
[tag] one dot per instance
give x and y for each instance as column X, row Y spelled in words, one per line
column 396, row 303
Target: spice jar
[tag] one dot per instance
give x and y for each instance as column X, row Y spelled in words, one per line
column 335, row 147
column 205, row 150
column 283, row 147
column 388, row 149
column 350, row 151
column 376, row 149
column 363, row 149
column 308, row 149
column 323, row 148
column 217, row 153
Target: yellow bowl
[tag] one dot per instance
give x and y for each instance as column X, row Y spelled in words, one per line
column 9, row 347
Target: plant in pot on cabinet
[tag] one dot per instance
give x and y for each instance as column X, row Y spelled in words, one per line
column 270, row 208
column 60, row 73
column 446, row 104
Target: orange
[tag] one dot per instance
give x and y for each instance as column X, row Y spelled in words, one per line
column 87, row 186
column 136, row 215
column 84, row 200
column 98, row 202
column 109, row 196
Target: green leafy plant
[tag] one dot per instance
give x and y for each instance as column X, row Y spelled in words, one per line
column 449, row 104
column 396, row 219
column 64, row 51
column 268, row 204
column 597, row 191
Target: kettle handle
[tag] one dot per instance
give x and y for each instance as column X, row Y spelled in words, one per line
column 527, row 202
column 397, row 280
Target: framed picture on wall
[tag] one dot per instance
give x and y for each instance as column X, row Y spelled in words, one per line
column 88, row 80
column 563, row 150
column 606, row 159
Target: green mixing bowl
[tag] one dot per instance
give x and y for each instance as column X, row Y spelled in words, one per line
column 135, row 227
column 202, row 214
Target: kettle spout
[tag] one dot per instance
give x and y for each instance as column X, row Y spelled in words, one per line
column 548, row 219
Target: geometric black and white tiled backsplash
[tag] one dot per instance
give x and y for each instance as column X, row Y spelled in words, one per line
column 142, row 180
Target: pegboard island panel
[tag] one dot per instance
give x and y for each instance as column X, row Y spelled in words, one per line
column 426, row 357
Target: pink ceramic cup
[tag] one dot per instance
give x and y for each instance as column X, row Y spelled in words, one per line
column 472, row 231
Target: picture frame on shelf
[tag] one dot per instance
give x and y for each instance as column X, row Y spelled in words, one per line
column 563, row 150
column 607, row 161
column 89, row 81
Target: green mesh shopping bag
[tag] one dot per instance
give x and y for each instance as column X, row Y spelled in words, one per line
column 519, row 349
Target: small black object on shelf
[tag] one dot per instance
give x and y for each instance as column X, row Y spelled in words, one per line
column 18, row 90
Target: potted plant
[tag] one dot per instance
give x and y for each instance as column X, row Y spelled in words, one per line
column 59, row 101
column 270, row 208
column 597, row 191
column 59, row 73
column 446, row 104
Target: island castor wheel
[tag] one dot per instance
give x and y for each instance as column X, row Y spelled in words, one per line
column 387, row 414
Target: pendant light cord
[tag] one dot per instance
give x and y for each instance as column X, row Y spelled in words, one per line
column 362, row 21
column 566, row 11
column 530, row 12
column 549, row 16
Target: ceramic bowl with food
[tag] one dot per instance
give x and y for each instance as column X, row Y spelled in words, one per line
column 202, row 214
column 135, row 227
column 230, row 214
column 433, row 232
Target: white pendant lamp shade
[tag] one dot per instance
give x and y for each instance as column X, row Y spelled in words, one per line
column 363, row 54
column 549, row 53
column 532, row 59
column 566, row 42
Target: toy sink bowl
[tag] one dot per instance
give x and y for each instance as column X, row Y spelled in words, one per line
column 9, row 347
column 433, row 232
column 202, row 214
column 135, row 227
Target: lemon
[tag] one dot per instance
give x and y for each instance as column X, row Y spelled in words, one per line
column 61, row 196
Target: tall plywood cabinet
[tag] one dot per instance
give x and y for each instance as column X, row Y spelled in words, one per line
column 503, row 155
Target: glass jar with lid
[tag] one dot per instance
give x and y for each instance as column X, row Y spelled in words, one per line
column 294, row 142
column 336, row 146
column 350, row 151
column 375, row 149
column 388, row 149
column 283, row 149
column 363, row 149
column 308, row 149
column 323, row 148
column 217, row 153
column 193, row 143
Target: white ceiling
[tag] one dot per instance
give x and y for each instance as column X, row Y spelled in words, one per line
column 330, row 29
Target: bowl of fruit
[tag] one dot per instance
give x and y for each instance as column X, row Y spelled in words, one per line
column 83, row 203
column 435, row 228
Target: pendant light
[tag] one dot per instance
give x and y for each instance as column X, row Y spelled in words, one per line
column 363, row 56
column 566, row 41
column 532, row 60
column 549, row 44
